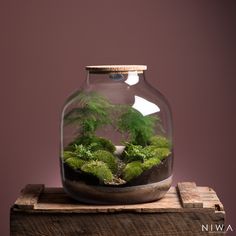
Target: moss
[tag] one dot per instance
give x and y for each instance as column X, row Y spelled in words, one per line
column 106, row 157
column 98, row 169
column 68, row 154
column 100, row 143
column 153, row 151
column 162, row 153
column 150, row 163
column 74, row 162
column 132, row 170
column 94, row 143
column 160, row 141
column 139, row 153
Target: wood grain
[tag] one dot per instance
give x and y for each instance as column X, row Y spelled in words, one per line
column 189, row 195
column 54, row 213
column 115, row 68
column 120, row 224
column 29, row 196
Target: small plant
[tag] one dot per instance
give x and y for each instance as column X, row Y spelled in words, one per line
column 133, row 153
column 139, row 153
column 98, row 169
column 140, row 128
column 92, row 113
column 82, row 152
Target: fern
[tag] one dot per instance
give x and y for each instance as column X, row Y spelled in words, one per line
column 140, row 128
column 133, row 153
column 77, row 151
column 92, row 113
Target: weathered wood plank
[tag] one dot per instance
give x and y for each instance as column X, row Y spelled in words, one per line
column 29, row 196
column 189, row 195
column 56, row 200
column 50, row 211
column 119, row 224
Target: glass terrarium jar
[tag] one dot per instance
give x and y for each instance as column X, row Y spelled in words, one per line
column 116, row 138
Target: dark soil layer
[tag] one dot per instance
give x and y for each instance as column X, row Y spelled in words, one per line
column 155, row 174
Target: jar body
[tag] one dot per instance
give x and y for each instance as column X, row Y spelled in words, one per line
column 116, row 140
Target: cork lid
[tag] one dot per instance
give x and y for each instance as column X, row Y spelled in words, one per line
column 115, row 68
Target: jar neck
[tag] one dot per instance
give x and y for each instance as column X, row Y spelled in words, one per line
column 130, row 78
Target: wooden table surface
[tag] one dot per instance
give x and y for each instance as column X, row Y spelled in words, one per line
column 183, row 211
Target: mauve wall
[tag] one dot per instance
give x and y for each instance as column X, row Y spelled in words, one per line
column 189, row 47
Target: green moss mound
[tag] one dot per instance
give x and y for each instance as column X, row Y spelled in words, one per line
column 148, row 164
column 160, row 153
column 74, row 162
column 68, row 154
column 160, row 141
column 99, row 143
column 94, row 143
column 106, row 157
column 132, row 170
column 139, row 153
column 98, row 169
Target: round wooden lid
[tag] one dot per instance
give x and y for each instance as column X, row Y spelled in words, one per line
column 115, row 68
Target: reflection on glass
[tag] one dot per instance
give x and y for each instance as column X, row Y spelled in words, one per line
column 133, row 78
column 144, row 106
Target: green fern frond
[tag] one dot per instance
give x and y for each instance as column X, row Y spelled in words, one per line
column 140, row 127
column 92, row 113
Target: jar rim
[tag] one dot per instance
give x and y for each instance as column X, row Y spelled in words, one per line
column 115, row 68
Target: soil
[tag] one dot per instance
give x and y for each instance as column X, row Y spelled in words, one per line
column 112, row 195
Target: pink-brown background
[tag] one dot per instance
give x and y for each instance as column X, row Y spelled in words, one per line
column 189, row 47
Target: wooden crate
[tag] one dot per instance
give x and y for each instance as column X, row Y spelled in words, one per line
column 183, row 211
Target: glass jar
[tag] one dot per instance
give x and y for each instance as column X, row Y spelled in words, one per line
column 116, row 138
